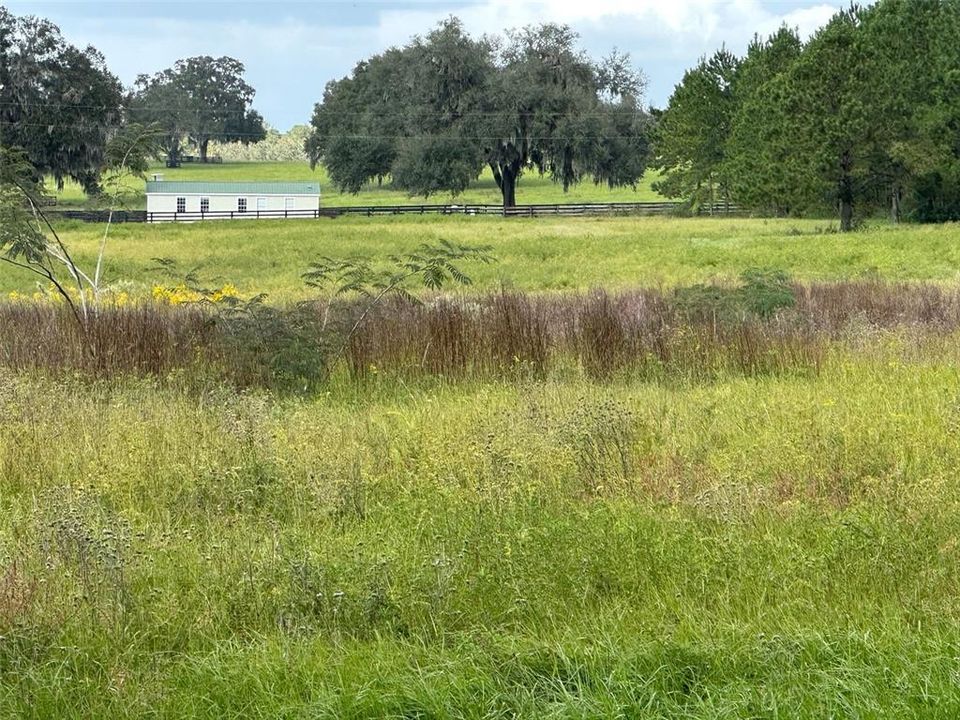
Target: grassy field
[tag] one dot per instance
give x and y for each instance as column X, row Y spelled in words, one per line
column 533, row 254
column 531, row 190
column 776, row 537
column 778, row 547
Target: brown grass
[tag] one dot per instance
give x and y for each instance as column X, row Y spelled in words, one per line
column 508, row 333
column 144, row 339
column 502, row 334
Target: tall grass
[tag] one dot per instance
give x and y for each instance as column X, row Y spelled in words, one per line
column 143, row 339
column 507, row 333
column 529, row 549
column 723, row 500
column 692, row 333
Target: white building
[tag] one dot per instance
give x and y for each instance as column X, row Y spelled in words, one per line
column 173, row 200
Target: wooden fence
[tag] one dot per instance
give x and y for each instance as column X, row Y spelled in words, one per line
column 99, row 216
column 562, row 209
column 175, row 162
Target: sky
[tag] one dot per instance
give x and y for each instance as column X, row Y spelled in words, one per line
column 292, row 49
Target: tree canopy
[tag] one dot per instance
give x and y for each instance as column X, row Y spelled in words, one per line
column 58, row 104
column 200, row 98
column 864, row 117
column 691, row 135
column 434, row 113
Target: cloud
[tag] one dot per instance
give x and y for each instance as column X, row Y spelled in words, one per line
column 287, row 60
column 705, row 21
column 293, row 50
column 664, row 37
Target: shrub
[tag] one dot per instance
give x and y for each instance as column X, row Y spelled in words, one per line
column 761, row 293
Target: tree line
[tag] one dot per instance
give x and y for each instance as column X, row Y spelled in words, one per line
column 60, row 105
column 862, row 118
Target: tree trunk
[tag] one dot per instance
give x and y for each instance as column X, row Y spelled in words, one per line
column 203, row 149
column 845, row 193
column 497, row 178
column 846, row 215
column 508, row 185
column 896, row 195
column 173, row 154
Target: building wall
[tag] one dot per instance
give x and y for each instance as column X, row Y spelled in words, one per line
column 167, row 203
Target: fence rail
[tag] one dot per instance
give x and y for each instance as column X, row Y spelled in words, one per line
column 562, row 209
column 177, row 161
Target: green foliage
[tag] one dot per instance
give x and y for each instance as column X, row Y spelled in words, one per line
column 760, row 159
column 21, row 237
column 202, row 98
column 691, row 134
column 284, row 348
column 765, row 291
column 863, row 117
column 58, row 104
column 433, row 114
column 761, row 293
column 28, row 241
column 834, row 141
column 433, row 265
column 435, row 165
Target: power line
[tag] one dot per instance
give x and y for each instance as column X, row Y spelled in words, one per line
column 349, row 113
column 364, row 136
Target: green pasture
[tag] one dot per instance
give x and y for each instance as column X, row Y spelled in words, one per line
column 762, row 544
column 533, row 254
column 531, row 190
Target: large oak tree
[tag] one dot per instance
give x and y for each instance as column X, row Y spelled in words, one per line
column 58, row 104
column 200, row 98
column 433, row 114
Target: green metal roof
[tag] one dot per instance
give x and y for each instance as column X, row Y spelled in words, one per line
column 233, row 188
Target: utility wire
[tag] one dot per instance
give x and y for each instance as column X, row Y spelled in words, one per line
column 362, row 136
column 346, row 113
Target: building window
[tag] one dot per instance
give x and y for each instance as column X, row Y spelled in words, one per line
column 204, row 205
column 241, row 204
column 181, row 205
column 261, row 204
column 288, row 203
